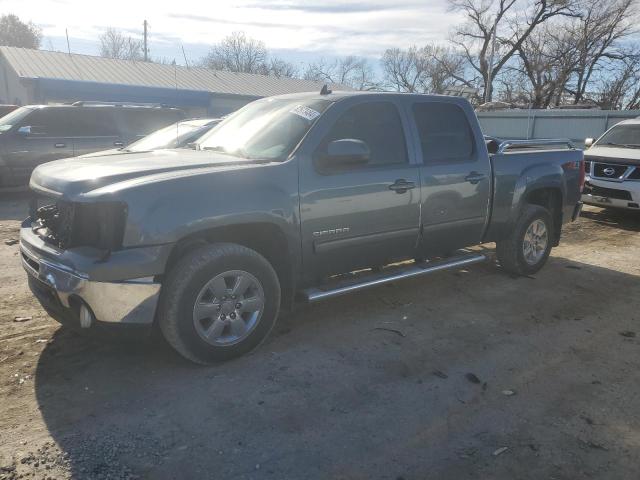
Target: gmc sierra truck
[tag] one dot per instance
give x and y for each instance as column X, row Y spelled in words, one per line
column 292, row 198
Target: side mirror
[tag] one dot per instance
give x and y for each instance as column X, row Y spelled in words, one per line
column 26, row 130
column 346, row 152
column 588, row 142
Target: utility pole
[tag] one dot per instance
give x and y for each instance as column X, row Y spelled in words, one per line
column 66, row 32
column 146, row 50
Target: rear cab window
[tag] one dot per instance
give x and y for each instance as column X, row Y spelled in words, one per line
column 445, row 133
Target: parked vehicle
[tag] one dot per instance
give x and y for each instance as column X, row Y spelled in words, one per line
column 37, row 134
column 613, row 167
column 281, row 197
column 177, row 135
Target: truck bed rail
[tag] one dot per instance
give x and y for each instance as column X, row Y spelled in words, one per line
column 535, row 143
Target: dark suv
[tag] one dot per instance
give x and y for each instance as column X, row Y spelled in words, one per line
column 37, row 134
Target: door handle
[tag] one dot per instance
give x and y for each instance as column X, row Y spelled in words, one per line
column 475, row 177
column 401, row 186
column 118, row 144
column 60, row 145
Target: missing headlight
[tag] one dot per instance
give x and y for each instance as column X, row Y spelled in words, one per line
column 67, row 225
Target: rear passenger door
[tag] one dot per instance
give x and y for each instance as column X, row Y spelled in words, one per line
column 94, row 129
column 138, row 122
column 359, row 215
column 455, row 176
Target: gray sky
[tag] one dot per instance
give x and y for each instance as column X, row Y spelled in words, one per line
column 295, row 29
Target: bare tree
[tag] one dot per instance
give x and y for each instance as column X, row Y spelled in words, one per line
column 495, row 29
column 354, row 72
column 620, row 87
column 598, row 35
column 430, row 69
column 16, row 33
column 239, row 53
column 114, row 44
column 547, row 60
column 280, row 68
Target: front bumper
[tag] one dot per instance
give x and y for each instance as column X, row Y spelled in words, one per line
column 612, row 194
column 63, row 291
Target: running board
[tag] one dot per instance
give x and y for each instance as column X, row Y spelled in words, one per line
column 372, row 280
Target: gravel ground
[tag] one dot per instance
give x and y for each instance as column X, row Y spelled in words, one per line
column 464, row 374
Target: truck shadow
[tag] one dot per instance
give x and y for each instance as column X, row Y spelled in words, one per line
column 622, row 219
column 345, row 382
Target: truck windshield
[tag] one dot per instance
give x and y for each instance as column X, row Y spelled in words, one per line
column 13, row 118
column 266, row 129
column 621, row 136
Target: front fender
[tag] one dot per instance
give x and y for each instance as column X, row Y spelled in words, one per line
column 166, row 211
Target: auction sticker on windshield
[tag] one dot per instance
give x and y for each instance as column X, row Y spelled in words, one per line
column 305, row 112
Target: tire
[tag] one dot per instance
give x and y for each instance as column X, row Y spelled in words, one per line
column 208, row 332
column 511, row 250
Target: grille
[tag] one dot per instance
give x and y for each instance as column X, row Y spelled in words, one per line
column 606, row 192
column 608, row 170
column 635, row 175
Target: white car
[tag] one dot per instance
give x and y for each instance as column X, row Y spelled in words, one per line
column 612, row 165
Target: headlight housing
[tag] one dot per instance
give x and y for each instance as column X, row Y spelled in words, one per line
column 70, row 224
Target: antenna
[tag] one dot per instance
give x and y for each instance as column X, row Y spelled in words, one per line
column 325, row 90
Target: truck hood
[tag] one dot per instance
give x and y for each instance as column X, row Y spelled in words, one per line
column 621, row 155
column 73, row 176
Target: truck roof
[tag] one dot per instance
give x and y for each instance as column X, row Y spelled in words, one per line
column 342, row 94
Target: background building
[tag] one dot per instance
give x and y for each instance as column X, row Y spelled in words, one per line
column 40, row 77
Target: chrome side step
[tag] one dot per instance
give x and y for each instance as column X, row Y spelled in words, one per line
column 413, row 270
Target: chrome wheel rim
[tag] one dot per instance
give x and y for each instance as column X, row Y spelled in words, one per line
column 535, row 242
column 228, row 308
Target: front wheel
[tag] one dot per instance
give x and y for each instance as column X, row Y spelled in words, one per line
column 219, row 302
column 527, row 248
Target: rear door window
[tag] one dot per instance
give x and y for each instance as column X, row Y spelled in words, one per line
column 93, row 122
column 445, row 133
column 143, row 121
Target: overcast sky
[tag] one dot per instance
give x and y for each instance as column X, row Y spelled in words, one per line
column 297, row 30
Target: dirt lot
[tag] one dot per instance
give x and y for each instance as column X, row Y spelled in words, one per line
column 372, row 386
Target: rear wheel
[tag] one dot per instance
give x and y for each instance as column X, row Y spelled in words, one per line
column 527, row 248
column 218, row 303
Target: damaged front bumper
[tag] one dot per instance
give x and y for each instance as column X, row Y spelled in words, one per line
column 71, row 295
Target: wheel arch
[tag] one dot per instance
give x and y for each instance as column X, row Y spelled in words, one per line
column 549, row 197
column 268, row 239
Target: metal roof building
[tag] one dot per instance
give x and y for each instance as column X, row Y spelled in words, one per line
column 38, row 77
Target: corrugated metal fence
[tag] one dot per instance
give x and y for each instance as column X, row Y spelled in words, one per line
column 530, row 124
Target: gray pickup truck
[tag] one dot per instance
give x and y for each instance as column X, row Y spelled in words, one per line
column 292, row 198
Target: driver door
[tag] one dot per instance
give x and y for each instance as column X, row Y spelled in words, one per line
column 362, row 215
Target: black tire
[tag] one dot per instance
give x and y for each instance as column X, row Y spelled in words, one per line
column 510, row 250
column 185, row 281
